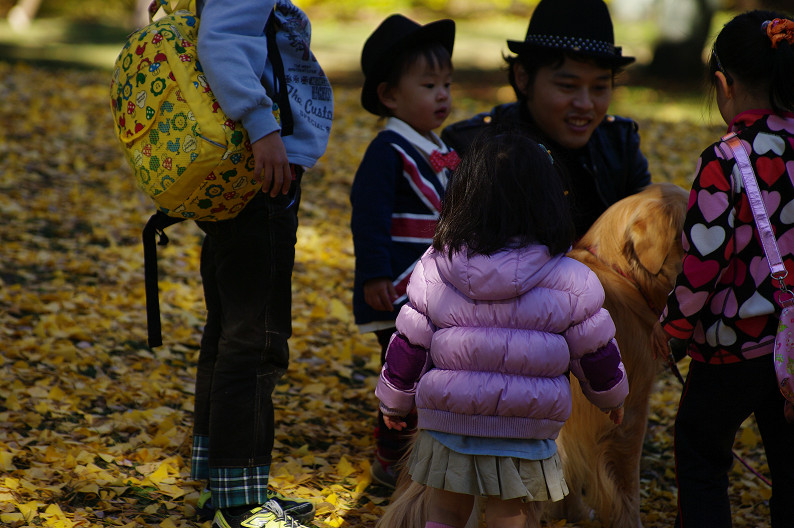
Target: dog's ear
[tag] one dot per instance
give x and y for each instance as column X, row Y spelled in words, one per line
column 650, row 236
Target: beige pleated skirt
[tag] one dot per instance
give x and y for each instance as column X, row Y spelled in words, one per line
column 433, row 464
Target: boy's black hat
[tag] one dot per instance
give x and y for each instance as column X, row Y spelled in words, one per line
column 393, row 35
column 583, row 27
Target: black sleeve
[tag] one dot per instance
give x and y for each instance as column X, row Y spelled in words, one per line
column 639, row 175
column 461, row 135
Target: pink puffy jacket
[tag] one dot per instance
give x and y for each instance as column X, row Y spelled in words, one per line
column 485, row 343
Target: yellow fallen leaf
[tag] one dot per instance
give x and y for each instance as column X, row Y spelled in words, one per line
column 84, row 457
column 12, row 403
column 318, row 312
column 87, row 487
column 364, row 479
column 168, row 523
column 344, row 467
column 9, row 518
column 55, row 522
column 55, row 518
column 339, row 310
column 7, row 461
column 29, row 509
column 748, row 438
column 335, row 521
column 159, row 475
column 765, row 492
column 332, row 499
column 56, row 393
column 314, row 388
column 172, row 491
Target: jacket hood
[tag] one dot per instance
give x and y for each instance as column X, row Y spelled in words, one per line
column 503, row 275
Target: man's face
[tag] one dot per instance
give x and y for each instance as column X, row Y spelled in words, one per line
column 568, row 102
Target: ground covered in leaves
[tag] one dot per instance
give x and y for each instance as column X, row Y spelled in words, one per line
column 95, row 427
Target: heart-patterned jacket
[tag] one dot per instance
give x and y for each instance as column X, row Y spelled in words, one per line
column 724, row 299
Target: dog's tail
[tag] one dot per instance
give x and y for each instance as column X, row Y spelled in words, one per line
column 408, row 509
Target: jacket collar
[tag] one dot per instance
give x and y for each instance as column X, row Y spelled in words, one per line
column 423, row 144
column 749, row 117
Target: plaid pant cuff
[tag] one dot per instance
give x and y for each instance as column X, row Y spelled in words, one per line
column 200, row 458
column 238, row 486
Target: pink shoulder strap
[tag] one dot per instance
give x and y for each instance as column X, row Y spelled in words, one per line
column 784, row 339
column 765, row 232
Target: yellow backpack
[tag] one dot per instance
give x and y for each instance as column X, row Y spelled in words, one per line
column 191, row 159
column 186, row 154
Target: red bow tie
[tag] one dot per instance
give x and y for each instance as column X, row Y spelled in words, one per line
column 439, row 161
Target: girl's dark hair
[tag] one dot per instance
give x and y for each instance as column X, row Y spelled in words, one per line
column 743, row 51
column 540, row 58
column 507, row 192
column 434, row 53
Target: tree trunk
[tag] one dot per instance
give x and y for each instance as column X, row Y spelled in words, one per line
column 22, row 13
column 141, row 15
column 685, row 27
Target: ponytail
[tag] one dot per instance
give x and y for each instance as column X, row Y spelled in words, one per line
column 781, row 35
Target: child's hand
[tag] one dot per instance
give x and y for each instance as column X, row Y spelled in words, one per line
column 271, row 164
column 616, row 415
column 380, row 294
column 394, row 422
column 659, row 339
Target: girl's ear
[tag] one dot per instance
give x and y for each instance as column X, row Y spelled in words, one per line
column 386, row 96
column 724, row 89
column 522, row 77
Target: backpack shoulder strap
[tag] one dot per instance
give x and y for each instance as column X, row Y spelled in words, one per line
column 279, row 78
column 154, row 227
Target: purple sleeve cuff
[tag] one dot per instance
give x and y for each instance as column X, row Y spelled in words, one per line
column 601, row 368
column 404, row 363
column 399, row 376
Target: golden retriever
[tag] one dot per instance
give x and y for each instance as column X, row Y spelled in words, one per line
column 635, row 250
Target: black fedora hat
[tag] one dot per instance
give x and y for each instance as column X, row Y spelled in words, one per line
column 393, row 35
column 583, row 27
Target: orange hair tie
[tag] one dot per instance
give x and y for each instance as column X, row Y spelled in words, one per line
column 779, row 29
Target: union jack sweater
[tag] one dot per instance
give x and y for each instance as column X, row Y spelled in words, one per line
column 396, row 199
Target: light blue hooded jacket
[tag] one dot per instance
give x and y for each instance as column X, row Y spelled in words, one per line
column 232, row 49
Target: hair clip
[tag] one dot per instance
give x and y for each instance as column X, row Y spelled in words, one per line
column 721, row 69
column 778, row 30
column 547, row 151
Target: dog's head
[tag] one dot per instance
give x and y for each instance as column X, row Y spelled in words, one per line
column 640, row 237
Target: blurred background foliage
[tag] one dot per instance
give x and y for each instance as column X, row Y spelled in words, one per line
column 668, row 37
column 105, row 11
column 119, row 10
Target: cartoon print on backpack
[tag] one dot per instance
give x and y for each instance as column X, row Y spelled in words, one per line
column 157, row 82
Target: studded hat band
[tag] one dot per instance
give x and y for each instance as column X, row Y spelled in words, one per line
column 574, row 44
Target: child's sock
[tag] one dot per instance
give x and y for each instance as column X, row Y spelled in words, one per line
column 431, row 524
